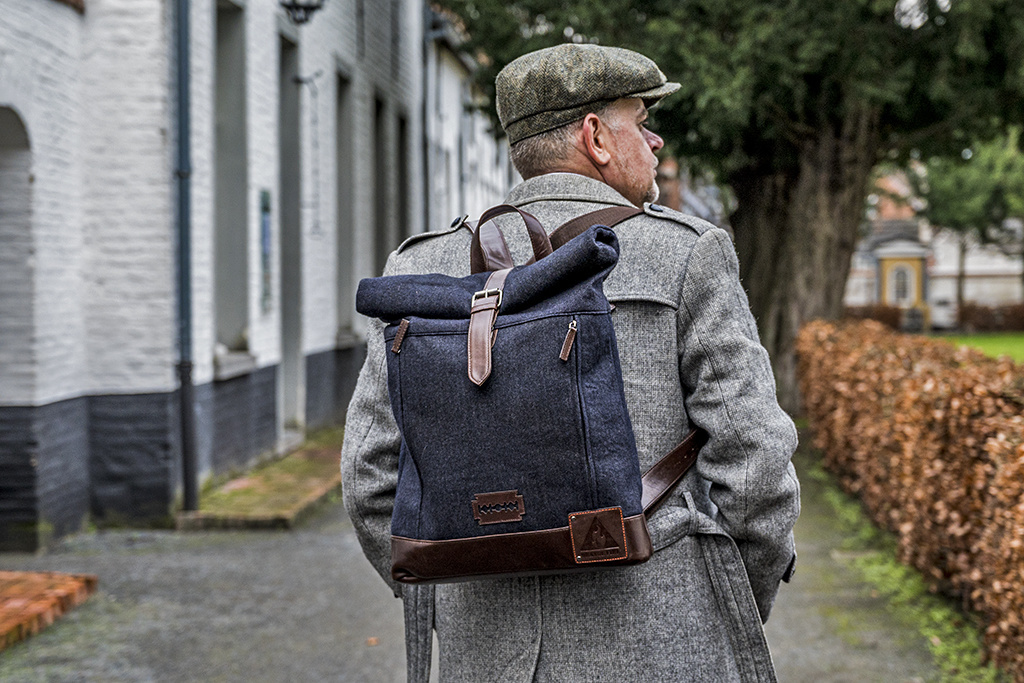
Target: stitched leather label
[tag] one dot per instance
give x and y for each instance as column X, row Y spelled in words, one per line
column 598, row 535
column 497, row 507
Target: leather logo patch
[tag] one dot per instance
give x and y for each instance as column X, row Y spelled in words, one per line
column 498, row 507
column 598, row 535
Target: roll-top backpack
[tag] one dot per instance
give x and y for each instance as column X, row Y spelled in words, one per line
column 517, row 452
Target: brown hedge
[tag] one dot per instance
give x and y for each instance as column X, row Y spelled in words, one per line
column 931, row 438
column 891, row 316
column 974, row 317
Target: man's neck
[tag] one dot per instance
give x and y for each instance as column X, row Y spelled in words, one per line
column 577, row 169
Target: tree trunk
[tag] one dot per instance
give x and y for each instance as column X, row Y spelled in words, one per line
column 795, row 234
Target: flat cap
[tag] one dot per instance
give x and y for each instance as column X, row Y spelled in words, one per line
column 543, row 90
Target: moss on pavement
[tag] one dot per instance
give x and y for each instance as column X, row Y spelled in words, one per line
column 277, row 494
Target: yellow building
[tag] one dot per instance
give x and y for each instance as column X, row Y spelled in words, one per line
column 891, row 267
column 902, row 280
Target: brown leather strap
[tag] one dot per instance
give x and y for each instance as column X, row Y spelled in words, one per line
column 483, row 313
column 610, row 216
column 666, row 473
column 539, row 552
column 489, row 251
column 549, row 551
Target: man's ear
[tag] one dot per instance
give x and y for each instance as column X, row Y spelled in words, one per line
column 595, row 139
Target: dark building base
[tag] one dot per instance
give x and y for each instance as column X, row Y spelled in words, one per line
column 236, row 421
column 44, row 472
column 116, row 459
column 330, row 380
column 132, row 447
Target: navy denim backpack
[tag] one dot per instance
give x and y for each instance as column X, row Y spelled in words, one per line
column 517, row 453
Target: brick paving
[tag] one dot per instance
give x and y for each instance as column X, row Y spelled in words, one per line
column 31, row 601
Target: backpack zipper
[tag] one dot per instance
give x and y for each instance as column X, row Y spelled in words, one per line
column 570, row 337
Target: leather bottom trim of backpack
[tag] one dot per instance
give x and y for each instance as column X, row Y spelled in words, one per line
column 550, row 551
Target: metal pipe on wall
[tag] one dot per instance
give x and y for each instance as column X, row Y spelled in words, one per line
column 183, row 174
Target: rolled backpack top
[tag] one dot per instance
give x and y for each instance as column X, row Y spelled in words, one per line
column 517, row 452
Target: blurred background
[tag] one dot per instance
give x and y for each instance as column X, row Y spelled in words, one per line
column 190, row 191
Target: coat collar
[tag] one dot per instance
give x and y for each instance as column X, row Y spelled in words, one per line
column 564, row 187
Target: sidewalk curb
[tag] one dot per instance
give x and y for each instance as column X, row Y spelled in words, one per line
column 31, row 601
column 289, row 519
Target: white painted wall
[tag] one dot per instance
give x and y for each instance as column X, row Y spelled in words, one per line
column 128, row 230
column 469, row 167
column 96, row 94
column 40, row 80
column 17, row 270
column 993, row 278
column 861, row 288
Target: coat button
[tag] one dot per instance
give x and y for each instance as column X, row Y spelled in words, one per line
column 656, row 207
column 459, row 219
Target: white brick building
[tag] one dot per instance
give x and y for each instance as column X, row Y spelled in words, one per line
column 468, row 168
column 311, row 160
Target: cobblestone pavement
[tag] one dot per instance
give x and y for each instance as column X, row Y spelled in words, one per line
column 305, row 606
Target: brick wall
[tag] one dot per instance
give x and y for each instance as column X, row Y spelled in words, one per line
column 128, row 280
column 88, row 274
column 19, row 512
column 40, row 50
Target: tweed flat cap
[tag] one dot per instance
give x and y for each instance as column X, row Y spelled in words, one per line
column 543, row 90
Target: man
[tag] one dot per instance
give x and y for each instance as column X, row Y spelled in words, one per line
column 575, row 117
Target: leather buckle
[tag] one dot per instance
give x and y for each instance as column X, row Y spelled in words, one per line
column 485, row 293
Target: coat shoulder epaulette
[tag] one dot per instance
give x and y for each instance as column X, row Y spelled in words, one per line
column 698, row 225
column 458, row 224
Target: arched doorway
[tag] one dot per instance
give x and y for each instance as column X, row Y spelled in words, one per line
column 18, row 515
column 17, row 365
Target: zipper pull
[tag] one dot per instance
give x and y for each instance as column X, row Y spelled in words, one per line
column 570, row 337
column 403, row 327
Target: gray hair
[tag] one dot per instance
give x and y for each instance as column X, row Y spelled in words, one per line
column 539, row 153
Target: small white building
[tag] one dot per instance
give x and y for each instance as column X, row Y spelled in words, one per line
column 992, row 276
column 909, row 265
column 315, row 150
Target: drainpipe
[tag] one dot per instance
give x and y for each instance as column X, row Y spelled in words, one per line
column 183, row 173
column 428, row 32
column 433, row 29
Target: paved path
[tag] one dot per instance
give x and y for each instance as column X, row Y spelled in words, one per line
column 304, row 606
column 255, row 606
column 827, row 625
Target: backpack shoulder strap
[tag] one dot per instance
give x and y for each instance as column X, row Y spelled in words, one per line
column 610, row 216
column 501, row 258
column 666, row 473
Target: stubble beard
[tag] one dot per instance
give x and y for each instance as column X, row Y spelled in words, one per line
column 653, row 192
column 639, row 187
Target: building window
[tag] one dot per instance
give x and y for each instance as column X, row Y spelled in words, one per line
column 902, row 286
column 231, row 183
column 345, row 217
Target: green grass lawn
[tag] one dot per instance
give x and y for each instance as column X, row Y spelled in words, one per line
column 994, row 344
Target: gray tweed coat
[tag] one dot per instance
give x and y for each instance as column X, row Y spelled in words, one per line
column 723, row 541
